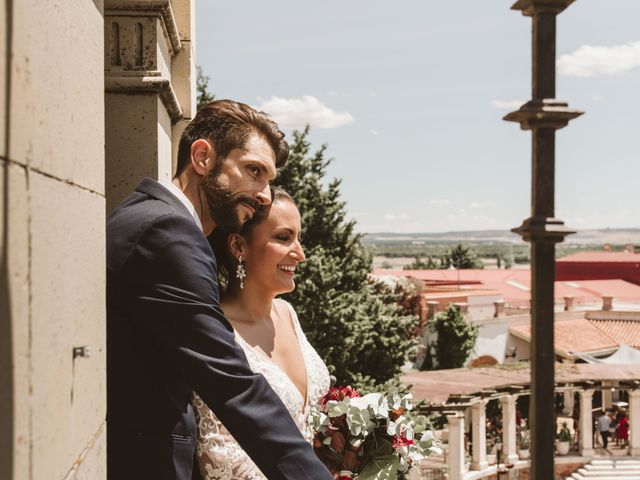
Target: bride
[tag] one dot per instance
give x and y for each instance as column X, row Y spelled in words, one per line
column 260, row 264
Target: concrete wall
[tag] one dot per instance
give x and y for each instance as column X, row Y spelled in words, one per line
column 495, row 340
column 52, row 406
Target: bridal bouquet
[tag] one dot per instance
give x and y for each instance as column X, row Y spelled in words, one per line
column 368, row 437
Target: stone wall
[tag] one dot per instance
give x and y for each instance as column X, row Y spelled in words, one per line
column 55, row 185
column 52, row 238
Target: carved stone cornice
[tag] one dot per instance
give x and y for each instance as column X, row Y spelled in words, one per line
column 159, row 8
column 138, row 84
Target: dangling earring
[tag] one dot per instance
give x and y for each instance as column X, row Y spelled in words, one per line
column 241, row 273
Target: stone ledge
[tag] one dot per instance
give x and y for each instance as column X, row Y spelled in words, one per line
column 142, row 85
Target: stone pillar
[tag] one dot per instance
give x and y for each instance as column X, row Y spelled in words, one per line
column 569, row 402
column 569, row 303
column 586, row 423
column 432, row 308
column 149, row 64
column 509, row 441
column 607, row 401
column 499, row 308
column 456, row 446
column 463, row 306
column 634, row 422
column 607, row 303
column 479, row 432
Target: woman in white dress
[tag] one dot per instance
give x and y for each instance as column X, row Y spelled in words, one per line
column 261, row 262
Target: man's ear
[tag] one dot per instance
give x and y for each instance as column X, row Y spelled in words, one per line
column 202, row 156
column 237, row 245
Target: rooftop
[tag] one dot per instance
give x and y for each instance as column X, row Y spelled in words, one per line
column 625, row 257
column 598, row 334
column 515, row 285
column 435, row 387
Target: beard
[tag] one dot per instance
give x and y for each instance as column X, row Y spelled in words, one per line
column 223, row 203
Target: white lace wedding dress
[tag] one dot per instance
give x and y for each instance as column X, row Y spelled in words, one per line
column 219, row 455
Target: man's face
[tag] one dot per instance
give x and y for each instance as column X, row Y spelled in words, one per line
column 238, row 185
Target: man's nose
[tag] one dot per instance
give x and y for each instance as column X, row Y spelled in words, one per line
column 264, row 197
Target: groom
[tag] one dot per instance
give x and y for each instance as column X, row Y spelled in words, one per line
column 166, row 333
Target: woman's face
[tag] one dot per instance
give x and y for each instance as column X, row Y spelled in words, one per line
column 273, row 249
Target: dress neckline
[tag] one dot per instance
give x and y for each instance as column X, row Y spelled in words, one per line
column 297, row 330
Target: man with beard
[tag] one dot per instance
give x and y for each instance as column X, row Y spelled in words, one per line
column 166, row 333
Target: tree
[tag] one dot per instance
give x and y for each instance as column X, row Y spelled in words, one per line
column 460, row 257
column 202, row 88
column 419, row 264
column 455, row 338
column 358, row 329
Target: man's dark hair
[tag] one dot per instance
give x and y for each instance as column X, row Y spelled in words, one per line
column 227, row 125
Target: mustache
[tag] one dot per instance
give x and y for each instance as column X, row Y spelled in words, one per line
column 249, row 202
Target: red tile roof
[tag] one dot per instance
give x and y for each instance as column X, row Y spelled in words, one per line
column 436, row 386
column 602, row 257
column 620, row 331
column 576, row 335
column 515, row 285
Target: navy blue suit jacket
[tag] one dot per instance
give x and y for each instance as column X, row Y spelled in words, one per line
column 166, row 337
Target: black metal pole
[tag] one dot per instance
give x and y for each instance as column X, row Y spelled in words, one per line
column 543, row 115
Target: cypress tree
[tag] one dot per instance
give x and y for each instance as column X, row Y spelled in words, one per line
column 360, row 331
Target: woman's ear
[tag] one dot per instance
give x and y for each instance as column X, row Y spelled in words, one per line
column 237, row 245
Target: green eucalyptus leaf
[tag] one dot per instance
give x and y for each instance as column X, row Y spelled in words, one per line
column 380, row 468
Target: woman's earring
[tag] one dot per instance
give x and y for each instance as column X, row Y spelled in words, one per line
column 241, row 273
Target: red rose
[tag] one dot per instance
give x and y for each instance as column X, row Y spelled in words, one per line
column 401, row 441
column 337, row 394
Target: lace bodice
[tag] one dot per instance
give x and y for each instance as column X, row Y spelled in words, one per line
column 219, row 455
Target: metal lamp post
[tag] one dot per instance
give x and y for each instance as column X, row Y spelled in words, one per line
column 543, row 115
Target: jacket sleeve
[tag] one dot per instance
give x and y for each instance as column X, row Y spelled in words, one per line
column 171, row 270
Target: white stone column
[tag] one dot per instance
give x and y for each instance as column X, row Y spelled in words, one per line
column 456, row 446
column 569, row 402
column 509, row 441
column 479, row 433
column 634, row 422
column 586, row 423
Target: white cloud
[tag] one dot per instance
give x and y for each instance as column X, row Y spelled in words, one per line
column 297, row 112
column 394, row 216
column 589, row 61
column 373, row 132
column 510, row 104
column 481, row 205
column 441, row 201
column 597, row 97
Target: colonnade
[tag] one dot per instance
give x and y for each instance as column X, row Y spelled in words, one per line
column 456, row 421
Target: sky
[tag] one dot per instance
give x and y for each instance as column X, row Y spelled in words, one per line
column 409, row 97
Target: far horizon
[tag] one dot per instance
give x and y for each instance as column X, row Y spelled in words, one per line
column 499, row 230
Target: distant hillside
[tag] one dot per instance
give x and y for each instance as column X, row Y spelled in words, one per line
column 614, row 236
